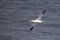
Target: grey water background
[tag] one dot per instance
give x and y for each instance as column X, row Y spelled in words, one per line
column 15, row 16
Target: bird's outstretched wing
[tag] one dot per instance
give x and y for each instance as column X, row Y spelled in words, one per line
column 41, row 15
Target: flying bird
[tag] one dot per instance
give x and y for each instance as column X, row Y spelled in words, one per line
column 38, row 20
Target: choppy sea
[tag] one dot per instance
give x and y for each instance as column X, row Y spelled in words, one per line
column 15, row 16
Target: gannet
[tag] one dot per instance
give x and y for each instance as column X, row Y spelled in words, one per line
column 38, row 20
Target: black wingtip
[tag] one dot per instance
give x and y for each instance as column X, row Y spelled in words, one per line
column 43, row 11
column 31, row 28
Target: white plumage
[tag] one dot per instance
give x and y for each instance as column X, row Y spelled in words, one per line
column 38, row 20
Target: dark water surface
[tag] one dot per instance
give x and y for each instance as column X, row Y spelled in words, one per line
column 15, row 16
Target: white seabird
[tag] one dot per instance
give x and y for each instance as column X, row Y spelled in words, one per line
column 38, row 20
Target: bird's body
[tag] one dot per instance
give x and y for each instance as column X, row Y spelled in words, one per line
column 36, row 21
